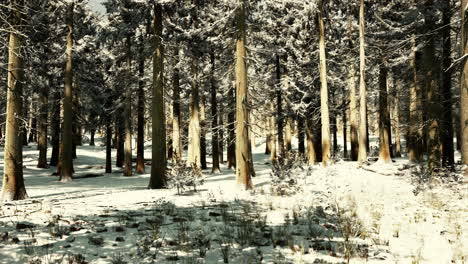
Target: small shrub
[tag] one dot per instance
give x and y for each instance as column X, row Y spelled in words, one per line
column 183, row 176
column 283, row 178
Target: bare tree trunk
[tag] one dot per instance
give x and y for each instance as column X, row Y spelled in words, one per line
column 214, row 122
column 353, row 115
column 243, row 151
column 119, row 140
column 300, row 134
column 446, row 130
column 363, row 140
column 128, row 164
column 221, row 133
column 464, row 86
column 203, row 132
column 433, row 104
column 279, row 109
column 176, row 142
column 311, row 124
column 272, row 120
column 384, row 137
column 55, row 130
column 268, row 134
column 43, row 120
column 66, row 170
column 396, row 118
column 231, row 149
column 194, row 155
column 140, row 162
column 158, row 161
column 345, row 136
column 108, row 147
column 13, row 183
column 325, row 114
column 415, row 127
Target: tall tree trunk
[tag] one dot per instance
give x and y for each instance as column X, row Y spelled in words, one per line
column 203, row 132
column 268, row 134
column 353, row 115
column 384, row 122
column 119, row 162
column 66, row 170
column 13, row 183
column 231, row 148
column 345, row 136
column 243, row 151
column 128, row 163
column 311, row 125
column 279, row 108
column 363, row 140
column 214, row 122
column 221, row 132
column 108, row 147
column 325, row 114
column 92, row 133
column 288, row 133
column 158, row 161
column 140, row 162
column 32, row 137
column 272, row 120
column 300, row 134
column 43, row 119
column 396, row 118
column 446, row 124
column 415, row 119
column 55, row 129
column 194, row 148
column 176, row 124
column 464, row 86
column 433, row 103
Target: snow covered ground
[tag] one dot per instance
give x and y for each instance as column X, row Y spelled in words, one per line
column 387, row 216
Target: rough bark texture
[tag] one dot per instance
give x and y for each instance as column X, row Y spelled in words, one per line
column 66, row 170
column 345, row 135
column 272, row 120
column 433, row 99
column 363, row 140
column 396, row 119
column 176, row 139
column 301, row 134
column 415, row 119
column 279, row 108
column 194, row 155
column 55, row 130
column 214, row 122
column 128, row 164
column 119, row 162
column 43, row 120
column 13, row 183
column 140, row 162
column 108, row 147
column 231, row 148
column 384, row 113
column 221, row 132
column 158, row 161
column 464, row 86
column 353, row 114
column 203, row 132
column 243, row 154
column 324, row 110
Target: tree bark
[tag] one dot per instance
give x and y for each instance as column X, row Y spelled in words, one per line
column 13, row 183
column 158, row 161
column 433, row 104
column 55, row 129
column 345, row 136
column 176, row 123
column 194, row 148
column 203, row 132
column 353, row 115
column 384, row 122
column 140, row 162
column 128, row 163
column 363, row 140
column 66, row 170
column 279, row 108
column 464, row 86
column 214, row 122
column 324, row 110
column 119, row 162
column 300, row 135
column 231, row 148
column 221, row 132
column 108, row 147
column 43, row 119
column 243, row 151
column 415, row 108
column 446, row 130
column 396, row 118
column 272, row 120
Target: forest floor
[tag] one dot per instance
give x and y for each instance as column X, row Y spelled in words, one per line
column 377, row 214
